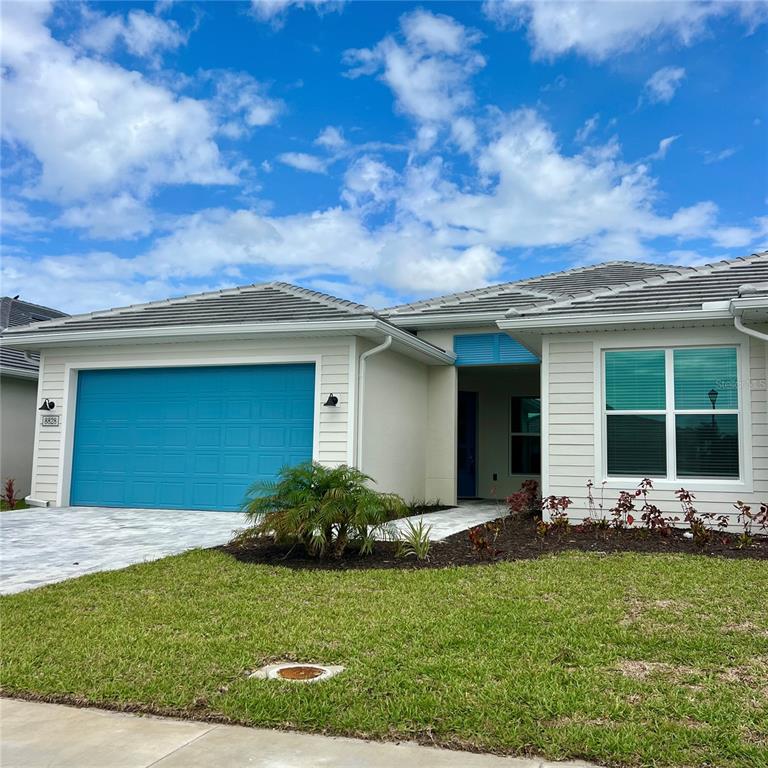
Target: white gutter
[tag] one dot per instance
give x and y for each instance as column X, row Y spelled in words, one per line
column 445, row 319
column 361, row 397
column 42, row 339
column 748, row 331
column 609, row 319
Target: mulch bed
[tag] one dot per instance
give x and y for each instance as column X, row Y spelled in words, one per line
column 517, row 540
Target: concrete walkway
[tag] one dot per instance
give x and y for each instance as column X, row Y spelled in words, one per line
column 52, row 736
column 450, row 521
column 46, row 545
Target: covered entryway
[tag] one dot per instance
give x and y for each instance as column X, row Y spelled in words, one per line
column 188, row 438
column 498, row 436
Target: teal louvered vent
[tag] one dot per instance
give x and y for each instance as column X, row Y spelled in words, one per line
column 490, row 349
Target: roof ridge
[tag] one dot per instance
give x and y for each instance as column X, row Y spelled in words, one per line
column 673, row 275
column 325, row 298
column 490, row 290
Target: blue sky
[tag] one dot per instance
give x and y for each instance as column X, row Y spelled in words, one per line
column 378, row 151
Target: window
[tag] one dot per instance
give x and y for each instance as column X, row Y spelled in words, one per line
column 672, row 413
column 525, row 434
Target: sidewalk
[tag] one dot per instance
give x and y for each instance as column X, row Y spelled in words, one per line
column 36, row 735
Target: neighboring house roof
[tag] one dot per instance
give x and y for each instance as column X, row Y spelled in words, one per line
column 15, row 313
column 672, row 291
column 266, row 302
column 532, row 292
column 275, row 307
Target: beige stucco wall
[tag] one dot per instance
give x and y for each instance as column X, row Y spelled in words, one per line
column 495, row 386
column 394, row 439
column 334, row 358
column 573, row 406
column 18, row 400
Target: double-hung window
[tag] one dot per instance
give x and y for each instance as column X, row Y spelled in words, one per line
column 525, row 436
column 672, row 413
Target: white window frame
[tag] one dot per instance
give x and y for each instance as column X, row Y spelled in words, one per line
column 512, row 434
column 671, row 481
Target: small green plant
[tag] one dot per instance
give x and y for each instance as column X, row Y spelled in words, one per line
column 414, row 541
column 324, row 509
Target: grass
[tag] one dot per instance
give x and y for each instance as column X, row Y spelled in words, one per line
column 623, row 659
column 20, row 504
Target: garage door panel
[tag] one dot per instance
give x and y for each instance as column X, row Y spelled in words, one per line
column 189, row 438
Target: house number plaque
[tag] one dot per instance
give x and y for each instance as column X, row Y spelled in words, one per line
column 49, row 420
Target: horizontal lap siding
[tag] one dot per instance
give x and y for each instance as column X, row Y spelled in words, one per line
column 333, row 370
column 571, row 427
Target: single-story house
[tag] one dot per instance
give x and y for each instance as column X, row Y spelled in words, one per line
column 608, row 373
column 18, row 395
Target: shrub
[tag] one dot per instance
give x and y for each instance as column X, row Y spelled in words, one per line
column 557, row 507
column 9, row 493
column 748, row 519
column 320, row 508
column 414, row 540
column 483, row 539
column 697, row 521
column 527, row 501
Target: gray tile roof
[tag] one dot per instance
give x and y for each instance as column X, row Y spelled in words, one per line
column 16, row 313
column 267, row 302
column 680, row 290
column 536, row 291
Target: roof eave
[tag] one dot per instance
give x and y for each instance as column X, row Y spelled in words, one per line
column 446, row 319
column 19, row 373
column 603, row 319
column 405, row 342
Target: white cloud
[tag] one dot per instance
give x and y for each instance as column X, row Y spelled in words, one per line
column 16, row 217
column 331, row 138
column 275, row 11
column 240, row 102
column 601, row 29
column 662, row 85
column 119, row 217
column 142, row 33
column 428, row 70
column 664, row 146
column 96, row 128
column 368, row 180
column 717, row 157
column 586, row 130
column 301, row 161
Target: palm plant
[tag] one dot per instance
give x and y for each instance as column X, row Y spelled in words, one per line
column 321, row 508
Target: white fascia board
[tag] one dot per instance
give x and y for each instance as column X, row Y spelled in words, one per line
column 739, row 306
column 19, row 373
column 447, row 320
column 366, row 326
column 575, row 322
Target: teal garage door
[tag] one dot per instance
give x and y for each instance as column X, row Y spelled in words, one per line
column 188, row 438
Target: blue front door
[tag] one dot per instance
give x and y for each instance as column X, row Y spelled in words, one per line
column 188, row 438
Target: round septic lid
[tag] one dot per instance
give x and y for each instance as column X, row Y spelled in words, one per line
column 299, row 673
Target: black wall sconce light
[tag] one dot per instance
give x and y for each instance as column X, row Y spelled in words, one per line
column 332, row 400
column 48, row 405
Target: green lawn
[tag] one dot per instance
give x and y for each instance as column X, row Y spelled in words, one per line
column 625, row 659
column 20, row 504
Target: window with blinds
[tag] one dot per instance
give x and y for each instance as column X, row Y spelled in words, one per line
column 672, row 413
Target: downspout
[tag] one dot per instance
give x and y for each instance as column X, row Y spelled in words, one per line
column 748, row 331
column 383, row 347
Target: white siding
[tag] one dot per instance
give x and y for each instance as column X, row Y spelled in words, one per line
column 574, row 453
column 334, row 360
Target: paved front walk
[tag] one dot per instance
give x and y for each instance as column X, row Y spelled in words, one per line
column 44, row 545
column 458, row 519
column 35, row 735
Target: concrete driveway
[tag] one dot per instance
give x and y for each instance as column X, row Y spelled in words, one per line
column 45, row 545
